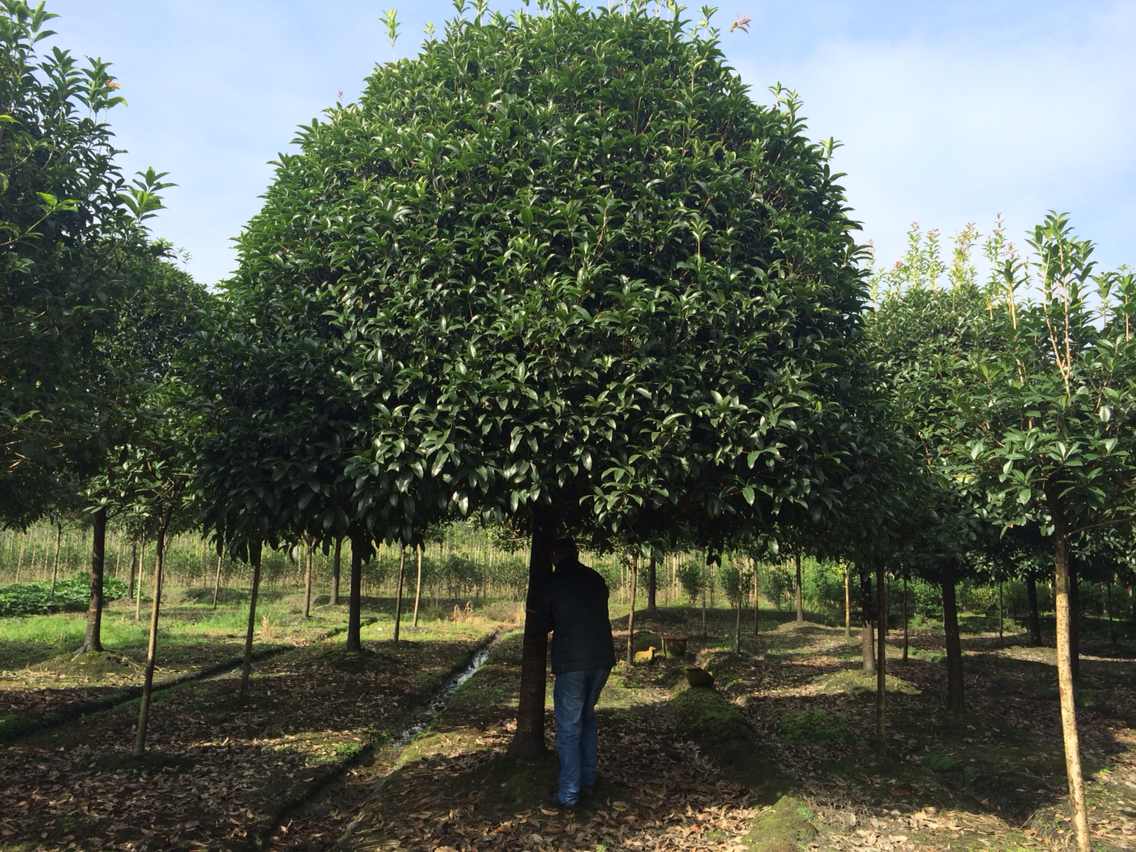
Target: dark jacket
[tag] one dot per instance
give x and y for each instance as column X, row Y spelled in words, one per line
column 575, row 609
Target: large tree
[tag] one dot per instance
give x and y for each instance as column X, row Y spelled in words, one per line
column 584, row 281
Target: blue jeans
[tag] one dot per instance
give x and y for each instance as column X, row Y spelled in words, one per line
column 574, row 698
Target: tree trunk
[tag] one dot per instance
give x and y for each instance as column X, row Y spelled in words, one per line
column 335, row 571
column 246, row 668
column 417, row 581
column 756, row 599
column 528, row 741
column 355, row 595
column 217, row 576
column 867, row 644
column 705, row 583
column 1108, row 612
column 1034, row 616
column 55, row 562
column 631, row 613
column 151, row 645
column 905, row 632
column 1074, row 621
column 92, row 640
column 398, row 593
column 308, row 581
column 141, row 581
column 799, row 592
column 1001, row 615
column 956, row 702
column 135, row 564
column 881, row 655
column 1063, row 580
column 651, row 584
column 738, row 619
column 847, row 604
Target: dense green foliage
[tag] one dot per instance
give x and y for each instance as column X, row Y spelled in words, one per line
column 70, row 595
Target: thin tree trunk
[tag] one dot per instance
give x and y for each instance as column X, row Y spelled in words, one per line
column 651, row 584
column 135, row 564
column 1034, row 616
column 738, row 618
column 956, row 702
column 881, row 655
column 1001, row 614
column 308, row 581
column 634, row 567
column 1108, row 612
column 141, row 581
column 1065, row 615
column 905, row 634
column 847, row 604
column 756, row 599
column 335, row 571
column 355, row 599
column 55, row 562
column 151, row 645
column 246, row 667
column 417, row 581
column 92, row 640
column 867, row 643
column 799, row 591
column 528, row 740
column 217, row 576
column 398, row 594
column 705, row 583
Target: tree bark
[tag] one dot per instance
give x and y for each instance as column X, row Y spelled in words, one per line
column 756, row 598
column 847, row 604
column 308, row 581
column 55, row 561
column 631, row 613
column 135, row 564
column 417, row 581
column 141, row 581
column 881, row 655
column 651, row 584
column 1074, row 621
column 355, row 599
column 905, row 631
column 867, row 644
column 1108, row 612
column 1034, row 616
column 1063, row 581
column 1001, row 615
column 398, row 593
column 528, row 741
column 246, row 667
column 217, row 575
column 738, row 619
column 335, row 571
column 92, row 640
column 151, row 645
column 956, row 702
column 799, row 592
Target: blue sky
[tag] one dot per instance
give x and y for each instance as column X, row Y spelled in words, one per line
column 948, row 113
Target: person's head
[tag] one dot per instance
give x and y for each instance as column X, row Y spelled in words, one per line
column 564, row 553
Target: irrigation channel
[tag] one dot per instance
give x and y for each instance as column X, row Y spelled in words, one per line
column 391, row 748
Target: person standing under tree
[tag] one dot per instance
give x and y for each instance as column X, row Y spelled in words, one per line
column 583, row 654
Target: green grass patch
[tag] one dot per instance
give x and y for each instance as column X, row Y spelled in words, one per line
column 813, row 726
column 784, row 827
column 859, row 682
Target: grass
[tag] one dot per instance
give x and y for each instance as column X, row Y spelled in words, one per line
column 859, row 682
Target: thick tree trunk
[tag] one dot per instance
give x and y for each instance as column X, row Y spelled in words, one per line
column 800, row 595
column 55, row 561
column 651, row 584
column 956, row 702
column 881, row 655
column 246, row 667
column 528, row 741
column 905, row 619
column 1034, row 616
column 151, row 646
column 398, row 593
column 308, row 581
column 631, row 612
column 335, row 571
column 1063, row 581
column 847, row 603
column 355, row 595
column 417, row 581
column 92, row 640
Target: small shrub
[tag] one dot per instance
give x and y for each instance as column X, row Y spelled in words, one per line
column 692, row 576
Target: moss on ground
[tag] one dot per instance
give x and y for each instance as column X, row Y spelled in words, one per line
column 784, row 827
column 857, row 681
column 813, row 726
